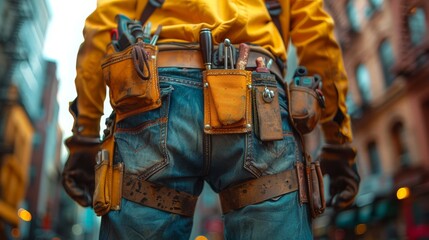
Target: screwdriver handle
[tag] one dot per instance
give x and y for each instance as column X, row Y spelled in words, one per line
column 206, row 46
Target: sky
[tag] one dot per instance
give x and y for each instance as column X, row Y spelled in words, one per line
column 64, row 35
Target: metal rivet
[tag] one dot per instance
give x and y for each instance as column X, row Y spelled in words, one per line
column 248, row 125
column 153, row 56
column 249, row 86
column 206, row 85
column 207, row 126
column 268, row 95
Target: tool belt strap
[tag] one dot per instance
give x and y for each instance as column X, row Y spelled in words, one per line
column 157, row 196
column 258, row 190
column 189, row 56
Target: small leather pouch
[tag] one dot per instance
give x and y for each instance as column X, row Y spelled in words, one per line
column 306, row 107
column 266, row 109
column 227, row 101
column 132, row 78
column 103, row 173
column 311, row 188
column 316, row 190
column 108, row 179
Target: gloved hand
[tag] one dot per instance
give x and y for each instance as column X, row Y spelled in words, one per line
column 78, row 173
column 338, row 161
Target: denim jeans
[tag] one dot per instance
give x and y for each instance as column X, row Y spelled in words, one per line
column 168, row 146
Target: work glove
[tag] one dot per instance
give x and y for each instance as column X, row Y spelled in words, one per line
column 78, row 173
column 338, row 161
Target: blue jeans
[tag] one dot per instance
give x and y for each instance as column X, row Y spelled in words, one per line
column 168, row 146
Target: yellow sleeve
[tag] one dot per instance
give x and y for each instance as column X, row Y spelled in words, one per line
column 90, row 87
column 312, row 33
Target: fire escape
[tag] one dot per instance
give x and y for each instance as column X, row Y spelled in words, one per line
column 13, row 17
column 11, row 54
column 413, row 57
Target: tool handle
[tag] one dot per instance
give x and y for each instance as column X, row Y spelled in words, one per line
column 206, row 46
column 243, row 56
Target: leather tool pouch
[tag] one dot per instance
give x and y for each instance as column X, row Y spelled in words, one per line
column 310, row 185
column 227, row 101
column 266, row 109
column 108, row 178
column 306, row 107
column 132, row 78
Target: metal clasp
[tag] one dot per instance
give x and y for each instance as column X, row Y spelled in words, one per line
column 268, row 95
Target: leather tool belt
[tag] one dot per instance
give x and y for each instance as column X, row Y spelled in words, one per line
column 264, row 188
column 189, row 56
column 157, row 196
column 235, row 197
column 232, row 198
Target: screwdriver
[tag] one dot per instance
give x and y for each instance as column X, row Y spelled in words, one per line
column 146, row 32
column 155, row 37
column 206, row 46
column 228, row 53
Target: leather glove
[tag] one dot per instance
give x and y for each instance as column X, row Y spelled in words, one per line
column 338, row 161
column 78, row 173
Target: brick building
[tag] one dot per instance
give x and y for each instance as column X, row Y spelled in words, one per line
column 386, row 48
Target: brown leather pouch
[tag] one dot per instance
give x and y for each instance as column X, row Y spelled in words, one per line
column 227, row 101
column 311, row 189
column 266, row 109
column 132, row 78
column 305, row 107
column 108, row 179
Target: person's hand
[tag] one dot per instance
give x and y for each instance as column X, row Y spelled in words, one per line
column 78, row 173
column 338, row 161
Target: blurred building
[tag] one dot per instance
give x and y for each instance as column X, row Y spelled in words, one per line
column 31, row 199
column 386, row 48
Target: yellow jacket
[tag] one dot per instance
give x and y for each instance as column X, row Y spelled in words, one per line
column 303, row 21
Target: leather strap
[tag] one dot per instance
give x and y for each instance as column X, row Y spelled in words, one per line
column 258, row 190
column 149, row 9
column 189, row 56
column 274, row 8
column 157, row 196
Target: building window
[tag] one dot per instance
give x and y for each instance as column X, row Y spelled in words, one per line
column 417, row 25
column 351, row 105
column 387, row 60
column 399, row 144
column 376, row 3
column 364, row 83
column 372, row 7
column 374, row 158
column 353, row 16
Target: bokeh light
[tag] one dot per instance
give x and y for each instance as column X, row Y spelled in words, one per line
column 403, row 193
column 24, row 215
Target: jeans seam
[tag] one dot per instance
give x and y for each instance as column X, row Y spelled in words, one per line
column 188, row 83
column 163, row 141
column 249, row 156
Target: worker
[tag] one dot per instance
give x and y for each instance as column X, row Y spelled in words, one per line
column 199, row 95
